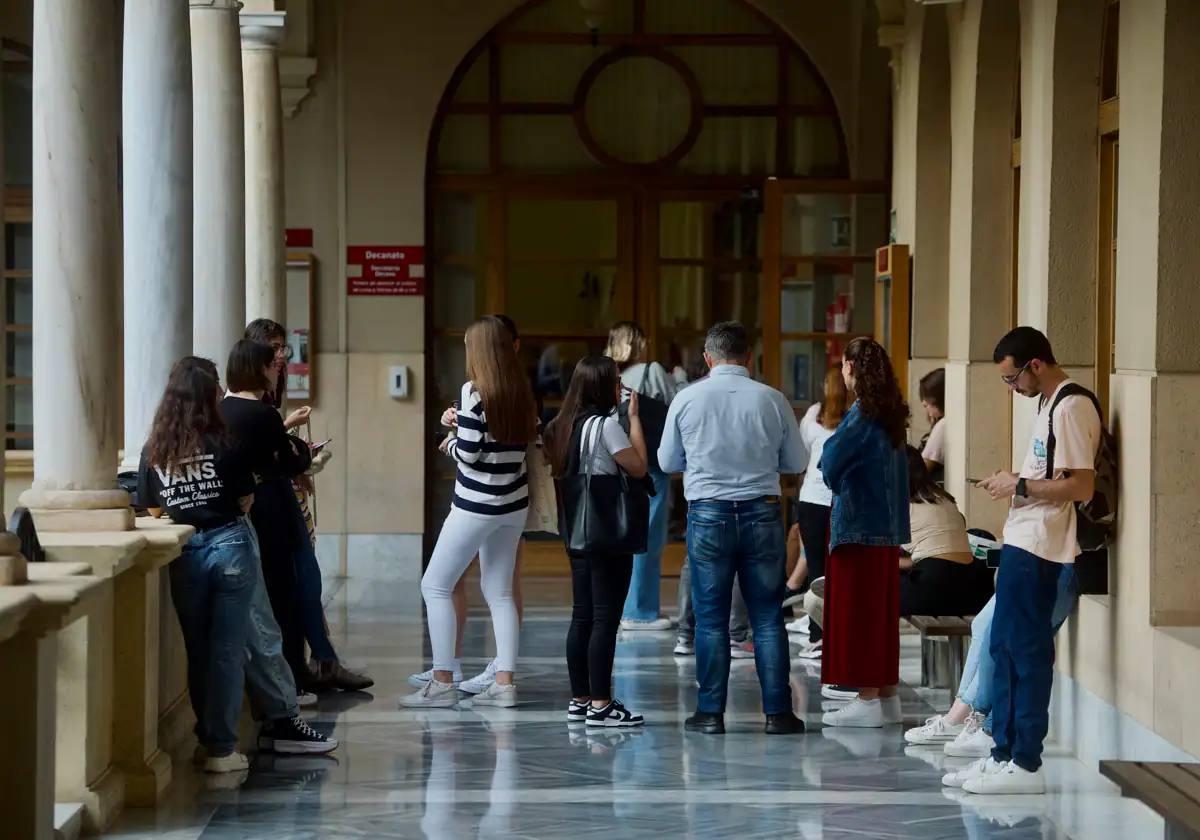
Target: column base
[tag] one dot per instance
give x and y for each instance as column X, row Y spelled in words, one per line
column 102, row 800
column 145, row 783
column 79, row 510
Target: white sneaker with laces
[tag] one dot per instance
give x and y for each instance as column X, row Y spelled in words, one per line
column 504, row 696
column 685, row 647
column 480, row 682
column 800, row 626
column 863, row 714
column 893, row 710
column 937, row 730
column 235, row 762
column 1007, row 778
column 830, row 692
column 614, row 715
column 576, row 711
column 972, row 742
column 809, row 650
column 433, row 695
column 419, row 680
column 957, row 778
column 660, row 623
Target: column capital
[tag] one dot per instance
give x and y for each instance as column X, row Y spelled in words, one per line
column 262, row 30
column 214, row 5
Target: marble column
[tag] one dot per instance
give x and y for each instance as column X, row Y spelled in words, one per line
column 262, row 33
column 75, row 240
column 219, row 221
column 156, row 122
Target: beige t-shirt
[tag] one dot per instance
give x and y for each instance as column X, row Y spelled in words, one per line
column 937, row 529
column 935, row 446
column 1047, row 529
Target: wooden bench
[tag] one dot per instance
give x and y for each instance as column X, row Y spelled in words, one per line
column 1171, row 790
column 955, row 629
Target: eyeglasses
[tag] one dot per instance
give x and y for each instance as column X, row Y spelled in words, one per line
column 284, row 350
column 1012, row 380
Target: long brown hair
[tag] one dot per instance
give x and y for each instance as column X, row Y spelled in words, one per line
column 187, row 415
column 875, row 385
column 922, row 489
column 834, row 402
column 495, row 371
column 593, row 390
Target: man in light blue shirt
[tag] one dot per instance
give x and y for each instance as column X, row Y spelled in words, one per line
column 731, row 437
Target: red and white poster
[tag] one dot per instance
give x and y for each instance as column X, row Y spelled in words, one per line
column 385, row 270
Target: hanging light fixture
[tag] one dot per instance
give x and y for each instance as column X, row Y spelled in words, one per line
column 594, row 12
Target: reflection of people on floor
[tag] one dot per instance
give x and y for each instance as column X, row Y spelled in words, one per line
column 506, row 781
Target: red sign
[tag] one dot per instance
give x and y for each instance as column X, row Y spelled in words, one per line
column 385, row 255
column 298, row 237
column 386, row 270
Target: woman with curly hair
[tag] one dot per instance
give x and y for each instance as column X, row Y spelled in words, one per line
column 865, row 465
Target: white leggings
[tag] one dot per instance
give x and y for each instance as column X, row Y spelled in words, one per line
column 495, row 539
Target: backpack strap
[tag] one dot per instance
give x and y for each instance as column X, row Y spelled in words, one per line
column 1071, row 389
column 645, row 376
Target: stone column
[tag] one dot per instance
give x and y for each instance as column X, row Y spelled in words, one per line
column 219, row 224
column 156, row 133
column 75, row 242
column 262, row 33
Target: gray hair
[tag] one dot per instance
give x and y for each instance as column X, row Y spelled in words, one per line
column 727, row 342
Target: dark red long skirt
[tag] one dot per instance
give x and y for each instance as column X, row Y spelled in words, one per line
column 862, row 617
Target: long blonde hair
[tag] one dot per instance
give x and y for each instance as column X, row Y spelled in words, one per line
column 495, row 371
column 835, row 400
column 626, row 344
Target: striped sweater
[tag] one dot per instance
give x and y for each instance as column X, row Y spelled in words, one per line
column 491, row 478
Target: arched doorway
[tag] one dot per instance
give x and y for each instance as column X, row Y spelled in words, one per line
column 600, row 161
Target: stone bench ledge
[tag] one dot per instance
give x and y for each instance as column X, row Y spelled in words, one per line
column 16, row 602
column 65, row 592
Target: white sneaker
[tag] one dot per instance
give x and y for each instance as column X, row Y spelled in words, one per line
column 972, row 742
column 800, row 626
column 830, row 692
column 1007, row 778
column 419, row 680
column 741, row 650
column 937, row 730
column 661, row 623
column 306, row 699
column 235, row 762
column 958, row 778
column 433, row 695
column 480, row 682
column 893, row 710
column 504, row 696
column 864, row 714
column 685, row 647
column 809, row 650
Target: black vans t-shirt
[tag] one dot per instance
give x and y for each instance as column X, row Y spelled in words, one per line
column 259, row 432
column 203, row 490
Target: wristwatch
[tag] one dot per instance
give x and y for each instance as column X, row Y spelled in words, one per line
column 1022, row 488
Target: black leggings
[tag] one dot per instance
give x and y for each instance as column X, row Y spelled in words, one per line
column 940, row 587
column 814, row 533
column 600, row 584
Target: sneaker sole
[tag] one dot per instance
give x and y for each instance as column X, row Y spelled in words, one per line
column 612, row 724
column 472, row 690
column 499, row 704
column 1029, row 791
column 741, row 656
column 854, row 725
column 959, row 752
column 932, row 741
column 576, row 718
column 448, row 703
column 304, row 747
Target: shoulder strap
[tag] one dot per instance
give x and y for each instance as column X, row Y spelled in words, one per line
column 1071, row 389
column 645, row 376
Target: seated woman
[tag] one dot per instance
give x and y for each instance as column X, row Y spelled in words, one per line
column 939, row 575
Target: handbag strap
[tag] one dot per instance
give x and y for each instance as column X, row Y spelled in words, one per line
column 590, row 447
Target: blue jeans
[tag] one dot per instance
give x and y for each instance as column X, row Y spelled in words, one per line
column 1022, row 648
column 975, row 688
column 745, row 539
column 308, row 594
column 269, row 680
column 212, row 584
column 641, row 604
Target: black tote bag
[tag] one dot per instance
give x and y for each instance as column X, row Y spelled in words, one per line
column 653, row 414
column 602, row 514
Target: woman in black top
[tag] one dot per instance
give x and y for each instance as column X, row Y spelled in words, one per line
column 275, row 457
column 194, row 473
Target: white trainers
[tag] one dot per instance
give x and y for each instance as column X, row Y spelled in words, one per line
column 937, row 730
column 480, row 682
column 1006, row 778
column 504, row 696
column 864, row 714
column 741, row 650
column 832, row 692
column 893, row 710
column 800, row 626
column 685, row 647
column 433, row 695
column 235, row 762
column 958, row 778
column 660, row 623
column 419, row 680
column 972, row 741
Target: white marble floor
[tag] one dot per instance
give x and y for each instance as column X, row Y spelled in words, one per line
column 523, row 773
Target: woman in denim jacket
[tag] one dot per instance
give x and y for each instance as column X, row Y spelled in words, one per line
column 865, row 465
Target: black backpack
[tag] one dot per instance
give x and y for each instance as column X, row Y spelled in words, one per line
column 1096, row 519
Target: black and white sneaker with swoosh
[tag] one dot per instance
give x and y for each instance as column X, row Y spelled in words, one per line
column 614, row 715
column 577, row 712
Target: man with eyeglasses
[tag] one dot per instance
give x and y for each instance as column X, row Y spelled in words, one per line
column 1039, row 552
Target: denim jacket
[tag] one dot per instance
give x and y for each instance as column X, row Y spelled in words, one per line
column 869, row 480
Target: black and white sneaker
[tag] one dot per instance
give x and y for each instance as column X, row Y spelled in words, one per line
column 577, row 712
column 293, row 736
column 614, row 714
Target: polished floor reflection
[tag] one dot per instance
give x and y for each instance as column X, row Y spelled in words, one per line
column 523, row 773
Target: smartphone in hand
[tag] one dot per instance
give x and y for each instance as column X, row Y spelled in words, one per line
column 317, row 447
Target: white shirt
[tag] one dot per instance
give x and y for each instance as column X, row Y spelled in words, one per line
column 1047, row 529
column 935, row 446
column 813, row 435
column 612, row 439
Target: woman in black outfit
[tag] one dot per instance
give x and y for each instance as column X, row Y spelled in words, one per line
column 600, row 583
column 276, row 458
